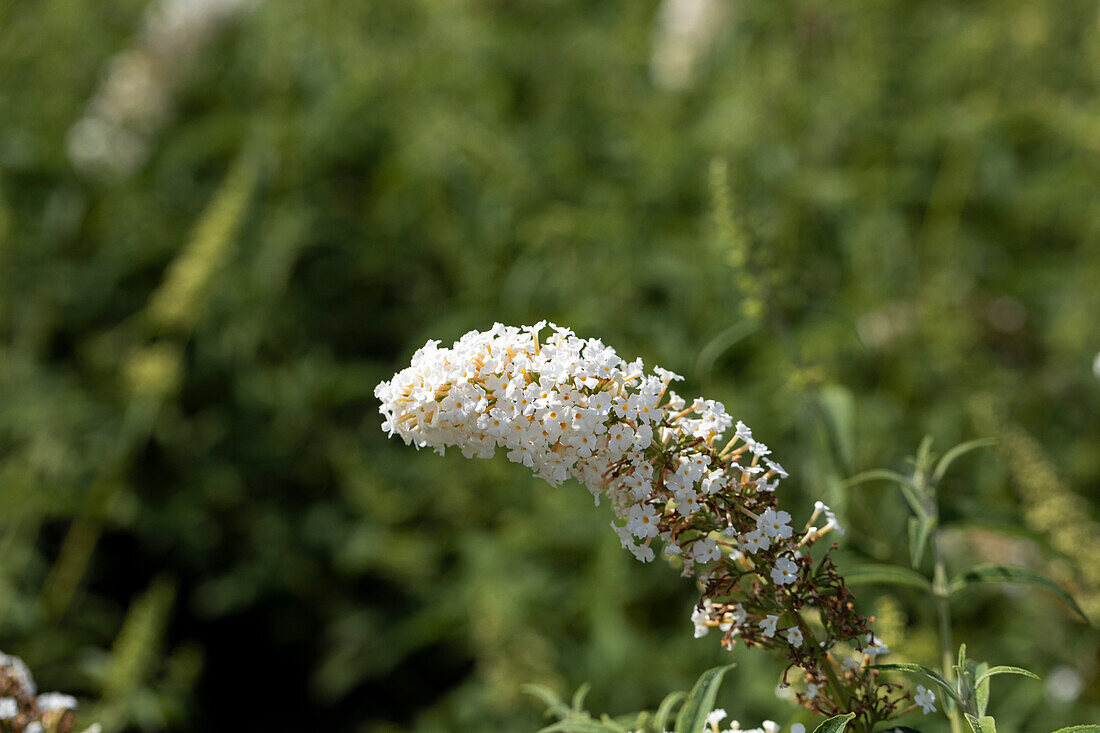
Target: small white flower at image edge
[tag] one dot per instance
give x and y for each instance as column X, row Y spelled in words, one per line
column 56, row 701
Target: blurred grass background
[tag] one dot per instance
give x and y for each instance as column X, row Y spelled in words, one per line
column 223, row 222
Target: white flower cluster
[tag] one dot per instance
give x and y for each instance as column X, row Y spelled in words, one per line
column 716, row 716
column 568, row 407
column 572, row 408
column 23, row 709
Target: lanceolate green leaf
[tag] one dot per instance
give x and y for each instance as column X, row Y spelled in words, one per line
column 981, row 689
column 582, row 725
column 1005, row 670
column 959, row 450
column 927, row 672
column 981, row 725
column 878, row 474
column 1013, row 574
column 1080, row 729
column 693, row 715
column 835, row 724
column 908, row 488
column 664, row 710
column 578, row 697
column 550, row 699
column 886, row 574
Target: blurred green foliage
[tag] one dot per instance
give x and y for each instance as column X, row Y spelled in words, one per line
column 201, row 525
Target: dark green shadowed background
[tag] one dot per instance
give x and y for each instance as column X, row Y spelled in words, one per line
column 222, row 223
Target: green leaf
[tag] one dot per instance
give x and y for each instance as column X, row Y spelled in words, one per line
column 835, row 724
column 981, row 689
column 981, row 725
column 1014, row 574
column 962, row 658
column 886, row 574
column 664, row 710
column 554, row 704
column 927, row 672
column 624, row 724
column 634, row 721
column 582, row 725
column 920, row 527
column 718, row 345
column 908, row 488
column 1002, row 669
column 693, row 715
column 959, row 450
column 578, row 697
column 924, row 455
column 1080, row 729
column 878, row 474
column 838, row 406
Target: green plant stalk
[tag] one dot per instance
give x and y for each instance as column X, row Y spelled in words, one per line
column 943, row 611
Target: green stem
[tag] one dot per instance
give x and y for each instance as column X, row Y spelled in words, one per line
column 943, row 610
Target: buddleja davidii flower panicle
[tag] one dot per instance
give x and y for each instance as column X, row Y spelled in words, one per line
column 568, row 407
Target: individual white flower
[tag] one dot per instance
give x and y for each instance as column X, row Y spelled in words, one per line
column 759, row 449
column 54, row 701
column 926, row 699
column 9, row 708
column 775, row 524
column 699, row 617
column 714, row 481
column 770, row 726
column 785, row 571
column 743, row 432
column 706, row 550
column 875, row 647
column 798, row 728
column 620, row 438
column 642, row 553
column 34, row 727
column 778, row 469
column 642, row 521
column 753, row 542
column 687, row 501
column 832, row 522
column 768, row 625
column 794, row 636
column 716, row 716
column 812, row 689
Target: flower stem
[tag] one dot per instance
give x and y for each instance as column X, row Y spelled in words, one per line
column 943, row 610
